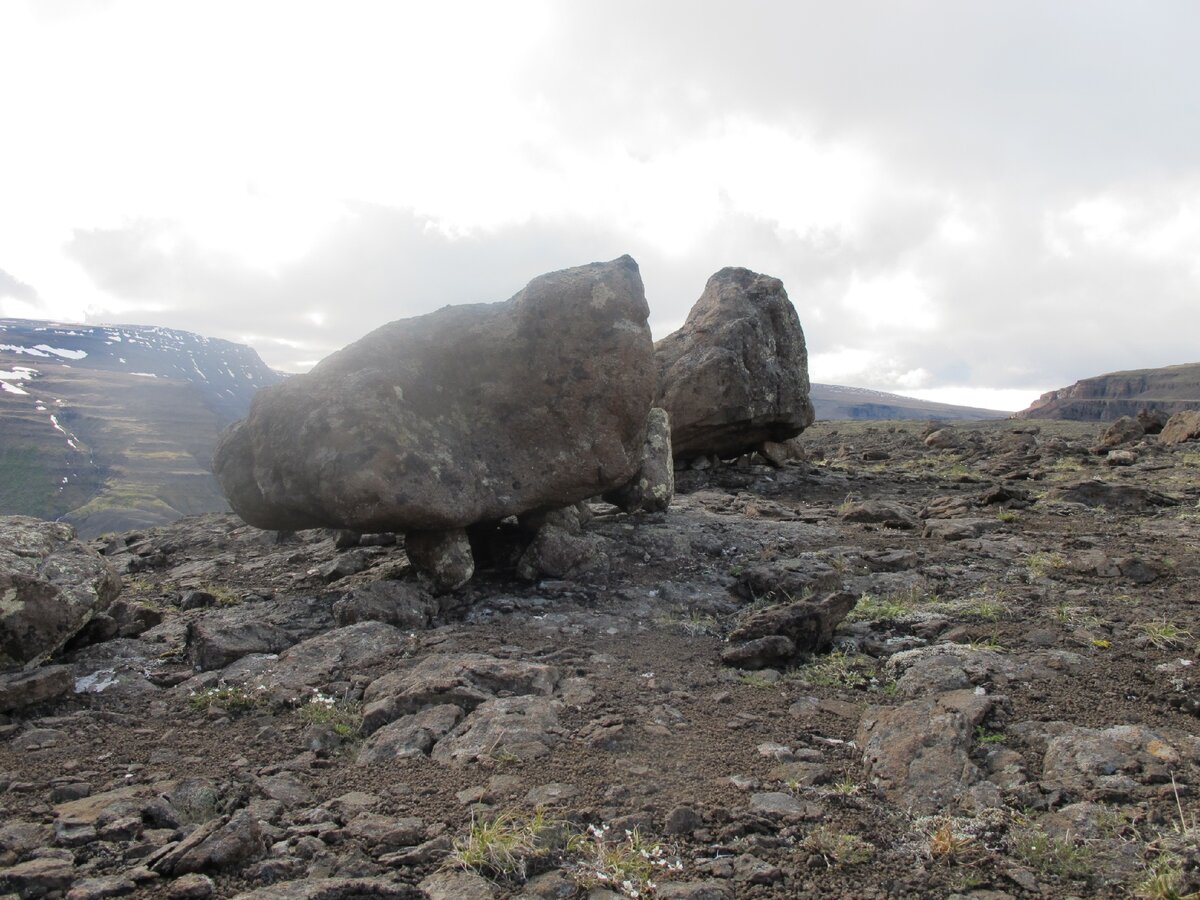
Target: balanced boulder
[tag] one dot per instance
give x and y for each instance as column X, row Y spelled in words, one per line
column 51, row 585
column 736, row 374
column 469, row 414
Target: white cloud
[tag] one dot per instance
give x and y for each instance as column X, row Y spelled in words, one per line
column 898, row 300
column 939, row 217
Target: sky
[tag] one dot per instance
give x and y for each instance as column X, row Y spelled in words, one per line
column 968, row 202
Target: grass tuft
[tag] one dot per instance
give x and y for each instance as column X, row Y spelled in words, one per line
column 343, row 716
column 1057, row 857
column 837, row 848
column 1163, row 633
column 233, row 700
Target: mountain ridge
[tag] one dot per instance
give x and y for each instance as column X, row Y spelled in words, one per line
column 112, row 427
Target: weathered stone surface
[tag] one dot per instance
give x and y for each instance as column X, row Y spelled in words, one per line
column 736, row 374
column 37, row 878
column 1124, row 497
column 313, row 663
column 1110, row 763
column 801, row 626
column 458, row 886
column 336, row 889
column 223, row 636
column 760, row 653
column 652, row 488
column 462, row 679
column 22, row 838
column 105, row 887
column 50, row 587
column 444, row 557
column 557, row 553
column 21, row 689
column 879, row 512
column 193, row 886
column 950, row 666
column 918, row 753
column 398, row 603
column 219, row 845
column 1183, row 426
column 412, row 735
column 942, row 439
column 469, row 414
column 521, row 727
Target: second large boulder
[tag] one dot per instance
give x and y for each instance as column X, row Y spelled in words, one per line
column 736, row 374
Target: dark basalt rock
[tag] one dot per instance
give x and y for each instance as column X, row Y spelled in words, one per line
column 736, row 374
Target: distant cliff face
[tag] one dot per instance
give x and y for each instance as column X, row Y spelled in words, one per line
column 112, row 427
column 1108, row 397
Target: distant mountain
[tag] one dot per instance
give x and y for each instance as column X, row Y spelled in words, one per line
column 1107, row 397
column 112, row 427
column 835, row 401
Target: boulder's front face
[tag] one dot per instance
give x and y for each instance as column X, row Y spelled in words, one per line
column 51, row 585
column 736, row 374
column 468, row 414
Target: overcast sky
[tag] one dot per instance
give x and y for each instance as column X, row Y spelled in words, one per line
column 967, row 201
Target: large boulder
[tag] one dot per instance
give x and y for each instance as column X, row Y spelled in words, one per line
column 469, row 414
column 736, row 374
column 1181, row 427
column 51, row 585
column 1124, row 430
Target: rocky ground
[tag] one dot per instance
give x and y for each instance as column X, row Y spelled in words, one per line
column 1009, row 710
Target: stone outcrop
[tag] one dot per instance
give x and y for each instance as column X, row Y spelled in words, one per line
column 469, row 414
column 1181, row 427
column 51, row 585
column 779, row 634
column 918, row 754
column 1107, row 398
column 736, row 374
column 1124, row 430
